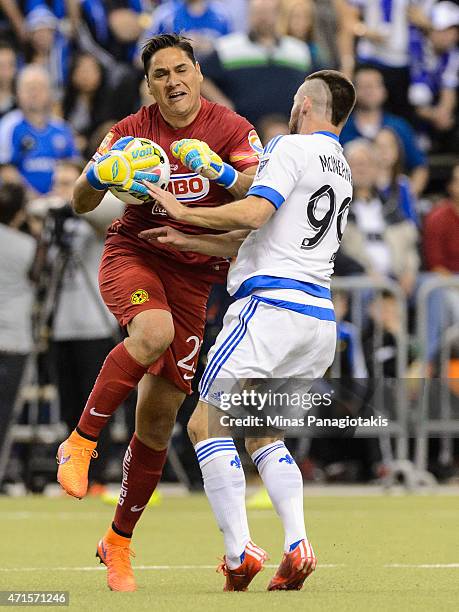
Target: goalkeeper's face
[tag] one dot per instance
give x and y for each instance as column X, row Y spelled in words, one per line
column 175, row 83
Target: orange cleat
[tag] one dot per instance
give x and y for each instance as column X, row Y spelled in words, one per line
column 239, row 579
column 114, row 552
column 295, row 567
column 73, row 458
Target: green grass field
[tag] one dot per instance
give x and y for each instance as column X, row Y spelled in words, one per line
column 370, row 550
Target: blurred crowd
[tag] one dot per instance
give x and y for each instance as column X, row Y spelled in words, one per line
column 69, row 69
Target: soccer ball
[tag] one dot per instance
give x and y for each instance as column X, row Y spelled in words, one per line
column 144, row 148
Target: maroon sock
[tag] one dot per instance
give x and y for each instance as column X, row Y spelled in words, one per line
column 142, row 469
column 117, row 377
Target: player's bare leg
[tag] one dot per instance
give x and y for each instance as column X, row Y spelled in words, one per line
column 284, row 483
column 150, row 334
column 224, row 484
column 157, row 406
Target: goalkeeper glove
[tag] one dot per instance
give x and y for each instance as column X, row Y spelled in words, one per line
column 121, row 169
column 199, row 157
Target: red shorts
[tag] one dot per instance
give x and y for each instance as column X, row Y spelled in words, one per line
column 132, row 280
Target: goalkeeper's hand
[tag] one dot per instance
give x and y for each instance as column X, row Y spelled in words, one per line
column 199, row 157
column 121, row 169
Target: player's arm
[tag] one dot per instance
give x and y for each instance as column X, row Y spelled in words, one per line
column 116, row 167
column 281, row 166
column 243, row 182
column 250, row 213
column 199, row 157
column 216, row 245
column 96, row 178
column 85, row 197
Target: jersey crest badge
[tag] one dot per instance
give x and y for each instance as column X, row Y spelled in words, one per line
column 261, row 166
column 139, row 297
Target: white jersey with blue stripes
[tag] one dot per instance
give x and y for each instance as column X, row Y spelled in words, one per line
column 308, row 181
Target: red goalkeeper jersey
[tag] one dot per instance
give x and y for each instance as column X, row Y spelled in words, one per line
column 231, row 136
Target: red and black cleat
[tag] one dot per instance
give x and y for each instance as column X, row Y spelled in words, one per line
column 295, row 567
column 239, row 579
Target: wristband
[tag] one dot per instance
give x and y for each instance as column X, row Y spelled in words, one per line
column 93, row 180
column 228, row 177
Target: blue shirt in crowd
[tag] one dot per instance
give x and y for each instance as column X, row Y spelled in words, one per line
column 176, row 17
column 405, row 199
column 414, row 157
column 34, row 151
column 430, row 71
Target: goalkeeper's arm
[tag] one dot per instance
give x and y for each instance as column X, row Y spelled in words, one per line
column 116, row 168
column 199, row 157
column 243, row 183
column 85, row 197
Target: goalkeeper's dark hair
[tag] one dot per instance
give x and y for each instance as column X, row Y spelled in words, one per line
column 342, row 93
column 165, row 41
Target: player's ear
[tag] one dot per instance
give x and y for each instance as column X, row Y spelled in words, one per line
column 198, row 70
column 306, row 107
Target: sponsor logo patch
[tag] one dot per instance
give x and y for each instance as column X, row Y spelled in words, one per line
column 189, row 187
column 105, row 144
column 139, row 297
column 255, row 142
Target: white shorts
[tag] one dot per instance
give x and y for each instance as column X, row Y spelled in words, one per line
column 259, row 340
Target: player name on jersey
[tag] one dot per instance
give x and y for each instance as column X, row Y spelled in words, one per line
column 308, row 181
column 330, row 163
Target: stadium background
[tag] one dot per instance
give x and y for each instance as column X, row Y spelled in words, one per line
column 396, row 296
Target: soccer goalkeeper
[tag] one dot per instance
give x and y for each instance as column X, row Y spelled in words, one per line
column 158, row 294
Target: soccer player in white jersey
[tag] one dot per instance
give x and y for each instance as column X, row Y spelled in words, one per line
column 282, row 323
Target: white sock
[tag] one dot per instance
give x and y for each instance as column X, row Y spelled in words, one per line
column 284, row 483
column 224, row 484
